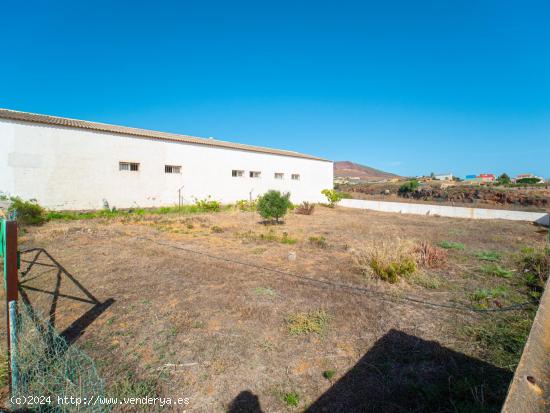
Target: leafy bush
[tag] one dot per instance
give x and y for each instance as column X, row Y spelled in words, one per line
column 503, row 179
column 333, row 197
column 292, row 398
column 391, row 271
column 305, row 208
column 273, row 205
column 28, row 212
column 208, row 204
column 408, row 187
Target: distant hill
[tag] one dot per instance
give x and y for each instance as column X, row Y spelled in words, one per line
column 365, row 173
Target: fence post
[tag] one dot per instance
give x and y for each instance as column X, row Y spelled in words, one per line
column 13, row 348
column 9, row 252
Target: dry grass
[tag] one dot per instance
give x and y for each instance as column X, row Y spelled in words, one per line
column 209, row 329
column 429, row 256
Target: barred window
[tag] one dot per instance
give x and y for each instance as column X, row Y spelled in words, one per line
column 255, row 174
column 279, row 175
column 235, row 173
column 128, row 166
column 172, row 169
column 296, row 177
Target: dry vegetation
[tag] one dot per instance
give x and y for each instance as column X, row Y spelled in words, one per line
column 231, row 313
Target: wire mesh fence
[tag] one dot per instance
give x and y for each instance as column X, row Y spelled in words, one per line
column 60, row 377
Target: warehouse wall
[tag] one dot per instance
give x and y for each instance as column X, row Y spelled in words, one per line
column 72, row 168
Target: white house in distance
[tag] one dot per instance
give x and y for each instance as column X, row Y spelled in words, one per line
column 74, row 164
column 448, row 176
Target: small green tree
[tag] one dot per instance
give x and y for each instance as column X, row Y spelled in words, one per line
column 504, row 179
column 333, row 197
column 28, row 212
column 409, row 186
column 273, row 205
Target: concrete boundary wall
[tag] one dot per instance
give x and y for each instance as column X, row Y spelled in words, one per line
column 529, row 391
column 542, row 218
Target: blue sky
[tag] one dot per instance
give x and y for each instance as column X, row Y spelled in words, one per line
column 405, row 86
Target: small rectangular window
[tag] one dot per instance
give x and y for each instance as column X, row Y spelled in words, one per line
column 172, row 169
column 255, row 174
column 128, row 166
column 296, row 177
column 279, row 175
column 237, row 173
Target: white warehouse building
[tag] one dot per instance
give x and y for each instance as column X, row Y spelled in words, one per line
column 69, row 164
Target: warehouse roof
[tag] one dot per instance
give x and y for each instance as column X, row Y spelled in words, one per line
column 125, row 130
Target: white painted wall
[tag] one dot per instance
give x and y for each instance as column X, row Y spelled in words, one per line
column 542, row 218
column 72, row 168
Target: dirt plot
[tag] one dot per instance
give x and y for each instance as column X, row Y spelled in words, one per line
column 239, row 316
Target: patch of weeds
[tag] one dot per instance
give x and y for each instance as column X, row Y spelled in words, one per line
column 329, row 374
column 391, row 271
column 173, row 331
column 4, row 371
column 450, row 245
column 429, row 256
column 502, row 340
column 265, row 291
column 110, row 321
column 145, row 301
column 285, row 239
column 482, row 296
column 198, row 324
column 130, row 386
column 386, row 260
column 496, row 270
column 269, row 236
column 291, row 399
column 534, row 265
column 426, row 280
column 216, row 229
column 319, row 241
column 267, row 346
column 310, row 322
column 492, row 256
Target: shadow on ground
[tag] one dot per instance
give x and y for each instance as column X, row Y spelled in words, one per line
column 403, row 373
column 39, row 257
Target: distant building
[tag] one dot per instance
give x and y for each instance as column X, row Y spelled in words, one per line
column 527, row 176
column 444, row 177
column 486, row 177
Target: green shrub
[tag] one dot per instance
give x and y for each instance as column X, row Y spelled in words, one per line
column 216, row 229
column 345, row 195
column 391, row 272
column 28, row 212
column 408, row 187
column 329, row 374
column 285, row 239
column 208, row 204
column 273, row 205
column 482, row 295
column 292, row 398
column 333, row 197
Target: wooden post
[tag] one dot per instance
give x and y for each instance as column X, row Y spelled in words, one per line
column 9, row 228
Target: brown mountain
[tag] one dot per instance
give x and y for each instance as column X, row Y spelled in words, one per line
column 365, row 173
